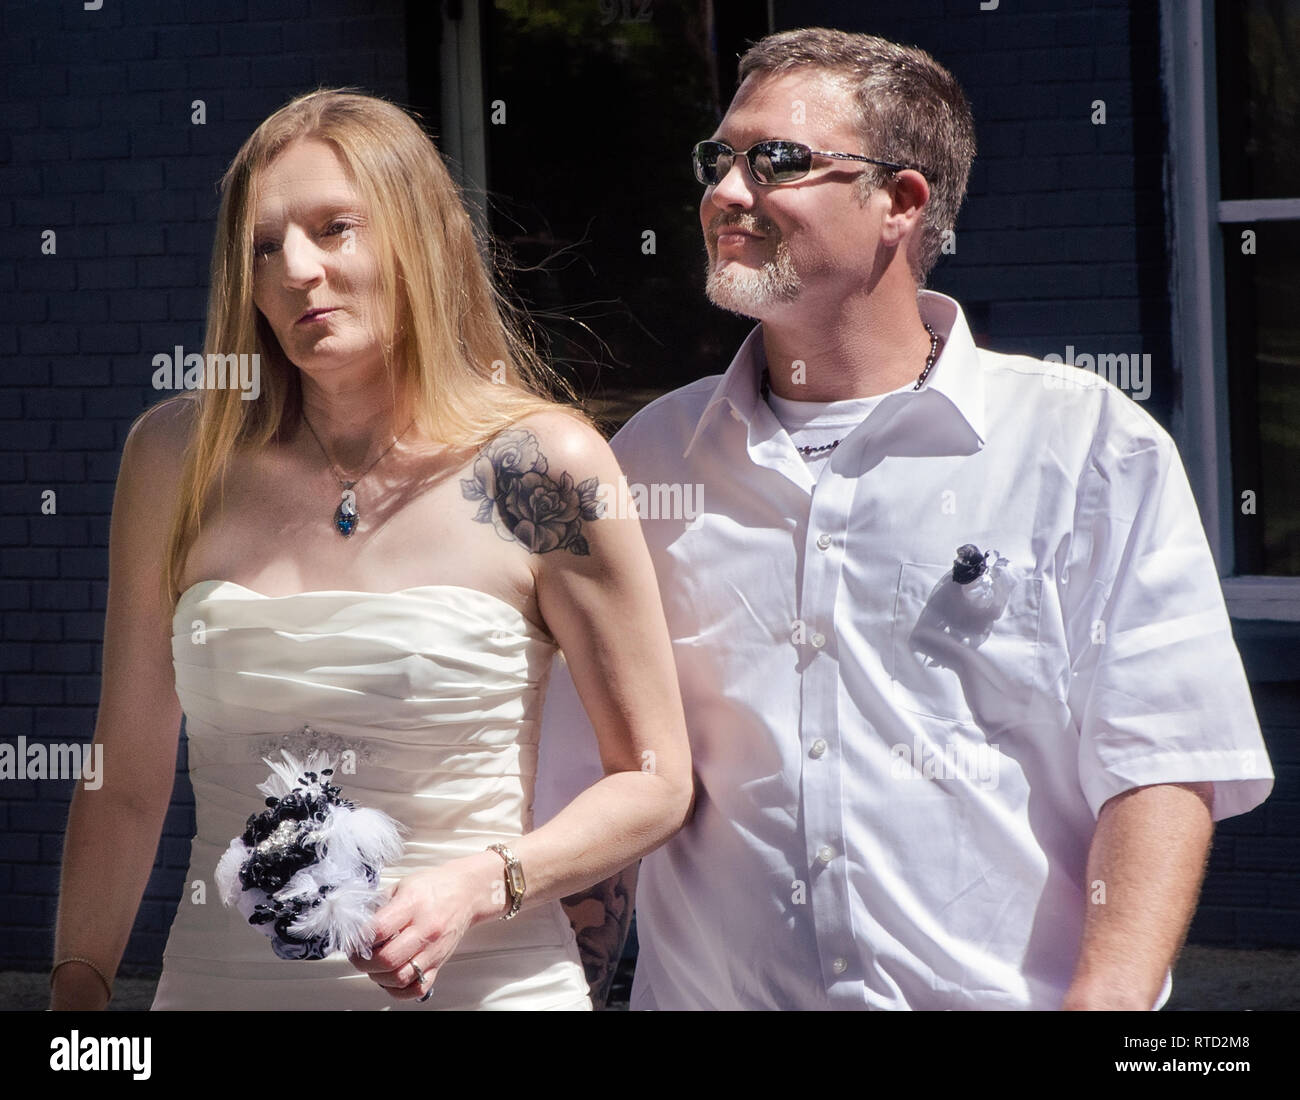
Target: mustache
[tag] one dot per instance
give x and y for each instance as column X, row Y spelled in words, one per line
column 748, row 223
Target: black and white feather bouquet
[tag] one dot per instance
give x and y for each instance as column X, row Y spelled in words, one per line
column 306, row 870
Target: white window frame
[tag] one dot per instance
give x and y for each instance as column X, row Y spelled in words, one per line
column 1200, row 422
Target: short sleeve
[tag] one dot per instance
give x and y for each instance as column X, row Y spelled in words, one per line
column 1157, row 686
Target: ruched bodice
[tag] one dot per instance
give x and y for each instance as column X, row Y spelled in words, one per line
column 431, row 698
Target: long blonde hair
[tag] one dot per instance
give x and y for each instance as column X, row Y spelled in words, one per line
column 456, row 343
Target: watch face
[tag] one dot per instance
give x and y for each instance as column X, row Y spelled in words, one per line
column 516, row 877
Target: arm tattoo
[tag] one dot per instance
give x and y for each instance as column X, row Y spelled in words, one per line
column 523, row 502
column 601, row 917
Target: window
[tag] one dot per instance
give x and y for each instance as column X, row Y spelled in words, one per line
column 1233, row 86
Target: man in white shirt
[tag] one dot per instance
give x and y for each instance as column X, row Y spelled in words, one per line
column 961, row 687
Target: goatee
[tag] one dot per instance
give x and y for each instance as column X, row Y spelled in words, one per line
column 751, row 292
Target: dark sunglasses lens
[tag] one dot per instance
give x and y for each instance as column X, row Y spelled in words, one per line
column 712, row 161
column 780, row 161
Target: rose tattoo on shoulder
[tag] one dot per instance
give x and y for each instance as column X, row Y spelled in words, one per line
column 523, row 502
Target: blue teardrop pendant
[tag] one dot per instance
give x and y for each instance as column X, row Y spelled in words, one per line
column 345, row 515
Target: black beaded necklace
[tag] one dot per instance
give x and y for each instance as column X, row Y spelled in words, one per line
column 764, row 389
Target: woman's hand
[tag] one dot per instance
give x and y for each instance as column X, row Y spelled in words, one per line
column 422, row 924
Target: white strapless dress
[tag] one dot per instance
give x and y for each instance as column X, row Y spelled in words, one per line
column 436, row 695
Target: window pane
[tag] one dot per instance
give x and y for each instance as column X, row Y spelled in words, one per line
column 1263, row 290
column 1258, row 61
column 591, row 187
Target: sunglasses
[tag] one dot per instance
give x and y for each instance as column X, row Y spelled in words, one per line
column 770, row 162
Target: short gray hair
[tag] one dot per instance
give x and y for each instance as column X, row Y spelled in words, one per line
column 910, row 110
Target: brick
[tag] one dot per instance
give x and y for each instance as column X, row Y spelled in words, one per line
column 157, row 76
column 143, row 305
column 168, row 271
column 14, row 596
column 102, row 468
column 14, row 531
column 189, row 41
column 198, row 172
column 39, row 817
column 59, row 529
column 99, row 80
column 1267, row 853
column 27, row 911
column 76, row 309
column 34, row 879
column 40, row 146
column 112, row 338
column 133, row 176
column 1268, row 928
column 15, row 657
column 18, row 847
column 98, row 144
column 243, row 39
column 80, row 371
column 69, row 114
column 53, row 404
column 167, row 207
column 102, row 209
column 26, row 436
column 83, row 690
column 161, row 141
column 187, row 304
column 55, row 469
column 290, row 73
column 48, row 273
column 1213, row 925
column 1284, row 893
column 46, row 339
column 105, row 274
column 1235, row 888
column 192, row 238
column 132, row 111
column 21, row 626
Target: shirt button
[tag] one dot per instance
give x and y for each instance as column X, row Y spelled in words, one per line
column 818, row 748
column 825, row 853
column 839, row 966
column 818, row 640
column 823, row 542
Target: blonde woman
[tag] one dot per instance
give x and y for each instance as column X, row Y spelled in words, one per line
column 376, row 557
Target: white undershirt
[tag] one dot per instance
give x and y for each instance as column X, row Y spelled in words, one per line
column 814, row 423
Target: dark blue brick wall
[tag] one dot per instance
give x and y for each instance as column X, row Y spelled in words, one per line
column 97, row 145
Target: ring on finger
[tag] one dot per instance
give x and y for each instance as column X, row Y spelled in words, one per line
column 419, row 974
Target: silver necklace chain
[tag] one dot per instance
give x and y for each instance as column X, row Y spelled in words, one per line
column 765, row 389
column 346, row 518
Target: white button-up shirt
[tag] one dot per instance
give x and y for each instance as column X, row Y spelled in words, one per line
column 897, row 786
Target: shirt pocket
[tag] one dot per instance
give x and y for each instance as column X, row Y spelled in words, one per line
column 951, row 659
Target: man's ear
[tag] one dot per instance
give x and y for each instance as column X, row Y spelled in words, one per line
column 910, row 192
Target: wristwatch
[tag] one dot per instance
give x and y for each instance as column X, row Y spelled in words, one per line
column 514, row 878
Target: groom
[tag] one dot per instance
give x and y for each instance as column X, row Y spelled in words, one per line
column 962, row 693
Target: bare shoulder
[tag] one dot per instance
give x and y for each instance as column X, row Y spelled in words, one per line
column 148, row 481
column 156, row 443
column 564, row 440
column 542, row 482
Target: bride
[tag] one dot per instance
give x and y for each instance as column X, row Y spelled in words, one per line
column 377, row 558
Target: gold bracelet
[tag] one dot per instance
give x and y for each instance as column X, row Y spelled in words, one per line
column 81, row 959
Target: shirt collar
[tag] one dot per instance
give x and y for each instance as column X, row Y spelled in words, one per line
column 956, row 374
